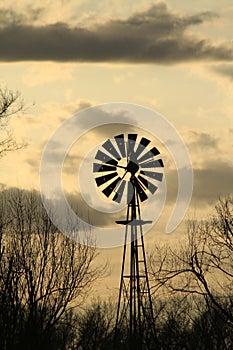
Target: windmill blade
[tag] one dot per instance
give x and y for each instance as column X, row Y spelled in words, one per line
column 154, row 175
column 150, row 154
column 153, row 164
column 119, row 192
column 142, row 145
column 102, row 167
column 110, row 188
column 151, row 187
column 111, row 149
column 140, row 190
column 131, row 143
column 102, row 179
column 121, row 144
column 103, row 157
column 112, row 162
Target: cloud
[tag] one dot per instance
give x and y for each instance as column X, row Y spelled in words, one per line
column 212, row 180
column 64, row 110
column 87, row 213
column 157, row 35
column 33, row 163
column 10, row 17
column 213, row 173
column 225, row 70
column 202, row 140
column 108, row 121
column 71, row 164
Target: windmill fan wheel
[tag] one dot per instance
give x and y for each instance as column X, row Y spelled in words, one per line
column 123, row 163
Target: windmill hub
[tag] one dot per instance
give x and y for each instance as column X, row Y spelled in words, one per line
column 132, row 167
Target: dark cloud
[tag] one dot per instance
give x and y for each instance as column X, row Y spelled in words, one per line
column 212, row 180
column 105, row 120
column 202, row 140
column 225, row 70
column 157, row 35
column 87, row 213
column 111, row 130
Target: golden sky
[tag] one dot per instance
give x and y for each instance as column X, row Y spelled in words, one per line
column 175, row 57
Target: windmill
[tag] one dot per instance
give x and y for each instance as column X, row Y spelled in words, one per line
column 127, row 170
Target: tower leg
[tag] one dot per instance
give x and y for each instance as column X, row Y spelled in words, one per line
column 135, row 303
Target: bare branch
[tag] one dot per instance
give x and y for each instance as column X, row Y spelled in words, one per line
column 204, row 264
column 11, row 104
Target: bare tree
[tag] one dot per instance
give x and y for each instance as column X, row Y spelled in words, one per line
column 11, row 104
column 95, row 326
column 203, row 264
column 42, row 273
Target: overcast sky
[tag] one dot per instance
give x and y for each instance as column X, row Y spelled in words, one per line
column 175, row 57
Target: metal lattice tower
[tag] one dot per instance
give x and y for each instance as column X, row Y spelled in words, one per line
column 124, row 171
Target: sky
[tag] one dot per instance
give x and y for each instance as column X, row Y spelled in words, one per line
column 175, row 57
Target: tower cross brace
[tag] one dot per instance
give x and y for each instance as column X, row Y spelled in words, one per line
column 134, row 302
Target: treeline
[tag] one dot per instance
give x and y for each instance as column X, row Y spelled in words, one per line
column 45, row 278
column 182, row 323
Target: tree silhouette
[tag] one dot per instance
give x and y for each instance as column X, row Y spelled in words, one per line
column 42, row 273
column 11, row 104
column 204, row 263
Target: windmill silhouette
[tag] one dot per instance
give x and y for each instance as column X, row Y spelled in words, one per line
column 127, row 169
